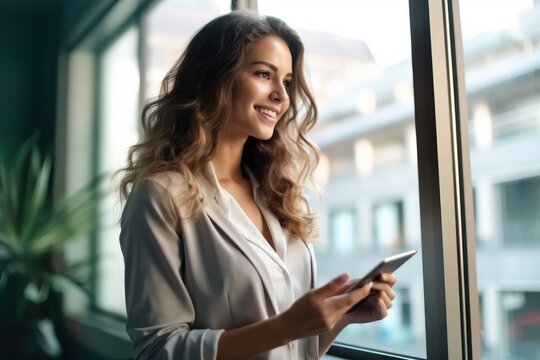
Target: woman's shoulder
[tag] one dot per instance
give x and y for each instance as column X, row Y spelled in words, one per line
column 162, row 185
column 171, row 181
column 157, row 191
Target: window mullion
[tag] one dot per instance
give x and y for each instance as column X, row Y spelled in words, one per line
column 244, row 5
column 465, row 216
column 441, row 180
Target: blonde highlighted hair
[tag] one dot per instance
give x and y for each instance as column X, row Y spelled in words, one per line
column 181, row 126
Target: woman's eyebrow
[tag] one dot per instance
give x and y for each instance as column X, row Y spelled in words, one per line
column 270, row 65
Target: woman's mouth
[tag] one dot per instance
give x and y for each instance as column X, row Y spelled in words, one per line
column 270, row 113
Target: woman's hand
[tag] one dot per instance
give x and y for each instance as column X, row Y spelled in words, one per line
column 321, row 309
column 378, row 302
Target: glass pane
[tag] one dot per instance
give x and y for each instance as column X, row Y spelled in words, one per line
column 502, row 62
column 118, row 131
column 359, row 63
column 343, row 229
column 170, row 25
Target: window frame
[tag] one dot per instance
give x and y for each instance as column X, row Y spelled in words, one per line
column 83, row 53
column 446, row 203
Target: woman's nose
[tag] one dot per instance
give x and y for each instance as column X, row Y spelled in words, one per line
column 279, row 93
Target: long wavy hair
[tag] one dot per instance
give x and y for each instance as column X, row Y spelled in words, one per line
column 181, row 126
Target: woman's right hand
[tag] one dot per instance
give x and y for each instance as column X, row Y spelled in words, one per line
column 321, row 309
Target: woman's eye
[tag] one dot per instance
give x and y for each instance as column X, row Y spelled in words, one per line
column 287, row 83
column 263, row 74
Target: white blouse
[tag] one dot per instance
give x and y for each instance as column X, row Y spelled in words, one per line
column 188, row 279
column 289, row 281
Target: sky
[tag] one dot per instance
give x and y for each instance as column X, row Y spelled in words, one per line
column 384, row 24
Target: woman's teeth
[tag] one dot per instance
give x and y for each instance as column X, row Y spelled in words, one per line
column 266, row 111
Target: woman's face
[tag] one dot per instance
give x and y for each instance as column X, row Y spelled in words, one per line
column 260, row 92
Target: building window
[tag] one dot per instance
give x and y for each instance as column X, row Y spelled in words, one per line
column 505, row 138
column 388, row 225
column 522, row 311
column 343, row 237
column 520, row 206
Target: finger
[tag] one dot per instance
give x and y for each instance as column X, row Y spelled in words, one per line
column 377, row 305
column 332, row 287
column 388, row 278
column 362, row 292
column 381, row 286
column 381, row 309
column 384, row 297
column 379, row 297
column 345, row 301
column 346, row 286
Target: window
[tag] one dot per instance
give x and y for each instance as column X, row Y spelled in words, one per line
column 520, row 210
column 505, row 141
column 359, row 62
column 388, row 225
column 343, row 231
column 522, row 310
column 396, row 155
column 117, row 131
column 169, row 27
column 103, row 122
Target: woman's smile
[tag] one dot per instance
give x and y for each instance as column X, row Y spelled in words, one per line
column 260, row 93
column 268, row 113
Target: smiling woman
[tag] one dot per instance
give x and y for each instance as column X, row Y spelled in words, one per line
column 260, row 93
column 216, row 234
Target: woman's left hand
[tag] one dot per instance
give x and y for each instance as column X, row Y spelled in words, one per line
column 376, row 305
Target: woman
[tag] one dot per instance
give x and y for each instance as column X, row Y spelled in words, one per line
column 216, row 234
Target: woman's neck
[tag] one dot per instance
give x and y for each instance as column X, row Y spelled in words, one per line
column 227, row 161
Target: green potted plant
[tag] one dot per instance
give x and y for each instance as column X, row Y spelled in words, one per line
column 34, row 228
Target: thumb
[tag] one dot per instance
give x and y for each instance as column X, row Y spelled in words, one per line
column 333, row 286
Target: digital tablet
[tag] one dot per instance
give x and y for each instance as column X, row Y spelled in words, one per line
column 387, row 265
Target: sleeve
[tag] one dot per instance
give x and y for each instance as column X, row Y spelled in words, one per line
column 159, row 308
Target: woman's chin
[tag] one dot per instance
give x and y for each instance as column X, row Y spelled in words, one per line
column 266, row 135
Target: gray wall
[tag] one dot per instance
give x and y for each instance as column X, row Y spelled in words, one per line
column 29, row 43
column 32, row 35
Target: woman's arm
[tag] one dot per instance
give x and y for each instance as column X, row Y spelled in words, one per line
column 160, row 312
column 320, row 310
column 159, row 307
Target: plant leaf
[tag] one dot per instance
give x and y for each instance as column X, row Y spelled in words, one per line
column 38, row 188
column 36, row 294
column 9, row 242
column 72, row 216
column 15, row 183
column 35, row 206
column 7, row 201
column 63, row 282
column 4, row 264
column 32, row 229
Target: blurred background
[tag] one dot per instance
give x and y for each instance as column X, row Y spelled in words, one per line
column 79, row 71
